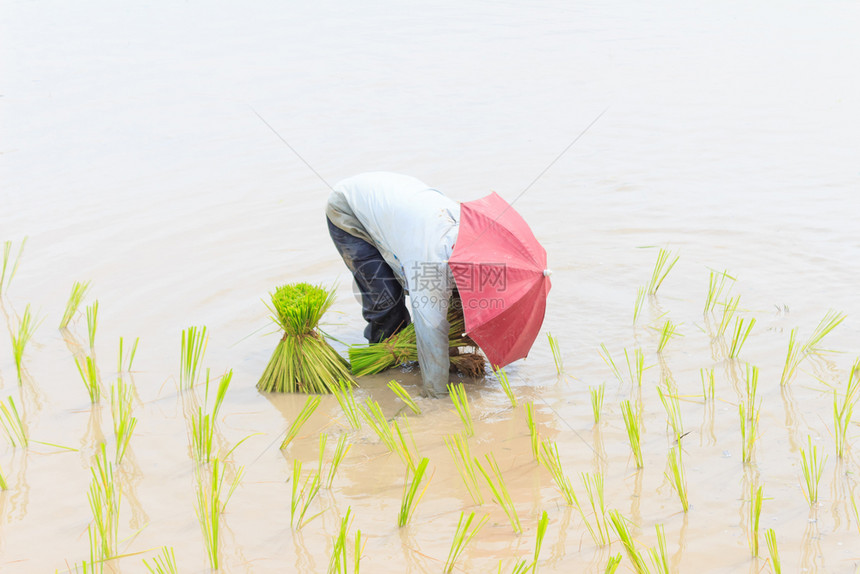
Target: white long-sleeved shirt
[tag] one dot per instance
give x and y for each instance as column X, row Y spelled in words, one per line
column 414, row 227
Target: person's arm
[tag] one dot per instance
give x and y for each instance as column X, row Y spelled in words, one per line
column 430, row 316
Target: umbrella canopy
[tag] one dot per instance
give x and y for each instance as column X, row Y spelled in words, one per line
column 500, row 271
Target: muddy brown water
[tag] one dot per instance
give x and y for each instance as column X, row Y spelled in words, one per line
column 132, row 157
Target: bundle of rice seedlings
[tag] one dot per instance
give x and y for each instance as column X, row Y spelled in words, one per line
column 402, row 347
column 303, row 361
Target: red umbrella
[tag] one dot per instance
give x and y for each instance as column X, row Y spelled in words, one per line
column 500, row 271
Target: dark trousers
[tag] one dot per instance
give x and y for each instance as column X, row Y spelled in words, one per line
column 382, row 300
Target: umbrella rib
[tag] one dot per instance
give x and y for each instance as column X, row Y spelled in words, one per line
column 558, row 157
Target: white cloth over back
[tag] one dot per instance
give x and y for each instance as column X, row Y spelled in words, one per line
column 414, row 227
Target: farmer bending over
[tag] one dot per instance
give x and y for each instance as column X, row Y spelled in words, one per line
column 396, row 234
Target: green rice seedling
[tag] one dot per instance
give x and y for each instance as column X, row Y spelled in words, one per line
column 659, row 555
column 338, row 563
column 637, row 367
column 209, row 509
column 607, row 358
column 411, row 498
column 194, row 342
column 593, row 486
column 640, row 300
column 500, row 491
column 505, row 383
column 597, row 401
column 792, row 359
column 372, row 413
column 632, row 424
column 612, row 564
column 123, row 421
column 667, row 331
column 842, row 413
column 79, row 291
column 7, row 251
column 89, row 375
column 739, row 336
column 749, row 414
column 773, row 550
column 92, row 322
column 402, row 347
column 462, row 537
column 751, row 383
column 813, row 467
column 302, row 498
column 461, row 403
column 95, row 565
column 323, row 442
column 673, row 411
column 105, row 496
column 3, row 485
column 340, row 452
column 521, row 567
column 402, row 446
column 594, row 489
column 26, row 328
column 404, row 396
column 551, row 460
column 841, row 420
column 676, row 475
column 303, row 360
column 13, row 426
column 856, row 510
column 203, row 420
column 717, row 282
column 756, row 499
column 399, row 348
column 311, row 405
column 121, row 358
column 556, row 353
column 342, row 391
column 831, row 320
column 165, row 563
column 543, row 522
column 619, row 523
column 707, row 376
column 730, row 307
column 661, row 270
column 458, row 446
column 533, row 430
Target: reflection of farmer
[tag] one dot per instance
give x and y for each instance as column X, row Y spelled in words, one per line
column 395, row 233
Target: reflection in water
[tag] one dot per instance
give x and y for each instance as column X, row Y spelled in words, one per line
column 599, row 459
column 304, row 557
column 93, row 435
column 838, row 499
column 32, row 398
column 636, row 498
column 790, row 409
column 811, row 557
column 735, row 377
column 666, row 375
column 416, row 561
column 682, row 544
column 19, row 497
column 707, row 428
column 558, row 550
column 598, row 559
column 130, row 476
column 237, row 551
